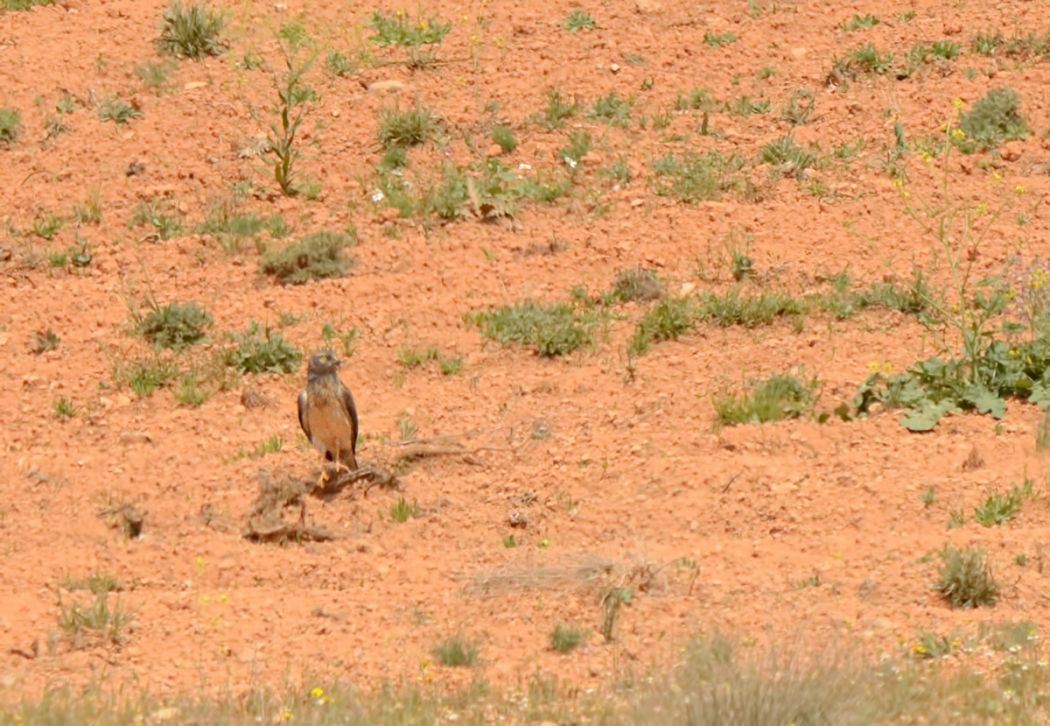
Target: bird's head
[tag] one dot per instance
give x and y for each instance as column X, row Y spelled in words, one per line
column 321, row 364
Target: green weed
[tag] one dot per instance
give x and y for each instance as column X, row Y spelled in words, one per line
column 144, row 376
column 993, row 119
column 565, row 638
column 551, row 330
column 666, row 320
column 10, row 126
column 557, row 110
column 154, row 75
column 173, row 325
column 718, row 40
column 316, row 256
column 405, row 128
column 966, row 580
column 635, row 284
column 63, row 408
column 191, row 32
column 456, row 652
column 859, row 22
column 781, row 396
column 789, row 158
column 503, row 136
column 159, row 214
column 98, row 619
column 579, row 19
column 117, row 110
column 265, row 351
column 401, row 511
column 612, row 109
column 690, row 177
column 1000, row 508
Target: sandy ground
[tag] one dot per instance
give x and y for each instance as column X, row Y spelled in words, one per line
column 797, row 529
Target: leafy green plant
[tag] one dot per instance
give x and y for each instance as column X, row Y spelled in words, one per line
column 696, row 99
column 993, row 119
column 265, row 351
column 173, row 325
column 339, row 64
column 1000, row 508
column 551, row 330
column 191, row 32
column 868, row 59
column 191, row 390
column 415, row 35
column 579, row 19
column 781, row 396
column 316, row 256
column 565, row 638
column 966, row 580
column 503, row 136
column 10, row 126
column 580, row 143
column 746, row 106
column 117, row 110
column 456, row 652
column 292, row 96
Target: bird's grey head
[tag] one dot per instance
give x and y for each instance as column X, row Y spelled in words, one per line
column 320, row 364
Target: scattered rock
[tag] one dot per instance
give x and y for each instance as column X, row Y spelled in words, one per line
column 135, row 437
column 494, row 150
column 1011, row 150
column 387, row 86
column 254, row 398
column 973, row 461
column 648, row 7
column 5, row 254
column 518, row 518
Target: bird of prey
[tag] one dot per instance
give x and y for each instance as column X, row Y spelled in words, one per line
column 327, row 412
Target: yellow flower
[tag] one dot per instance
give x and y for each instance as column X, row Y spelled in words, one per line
column 316, row 692
column 981, row 208
column 873, row 366
column 887, row 367
column 958, row 134
column 1019, row 188
column 957, row 102
column 286, row 714
column 997, row 176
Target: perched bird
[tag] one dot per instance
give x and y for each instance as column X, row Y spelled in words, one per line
column 327, row 412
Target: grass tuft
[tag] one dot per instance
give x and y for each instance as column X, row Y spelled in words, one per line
column 966, row 580
column 191, row 31
column 317, row 256
column 781, row 396
column 551, row 330
column 456, row 652
column 174, row 325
